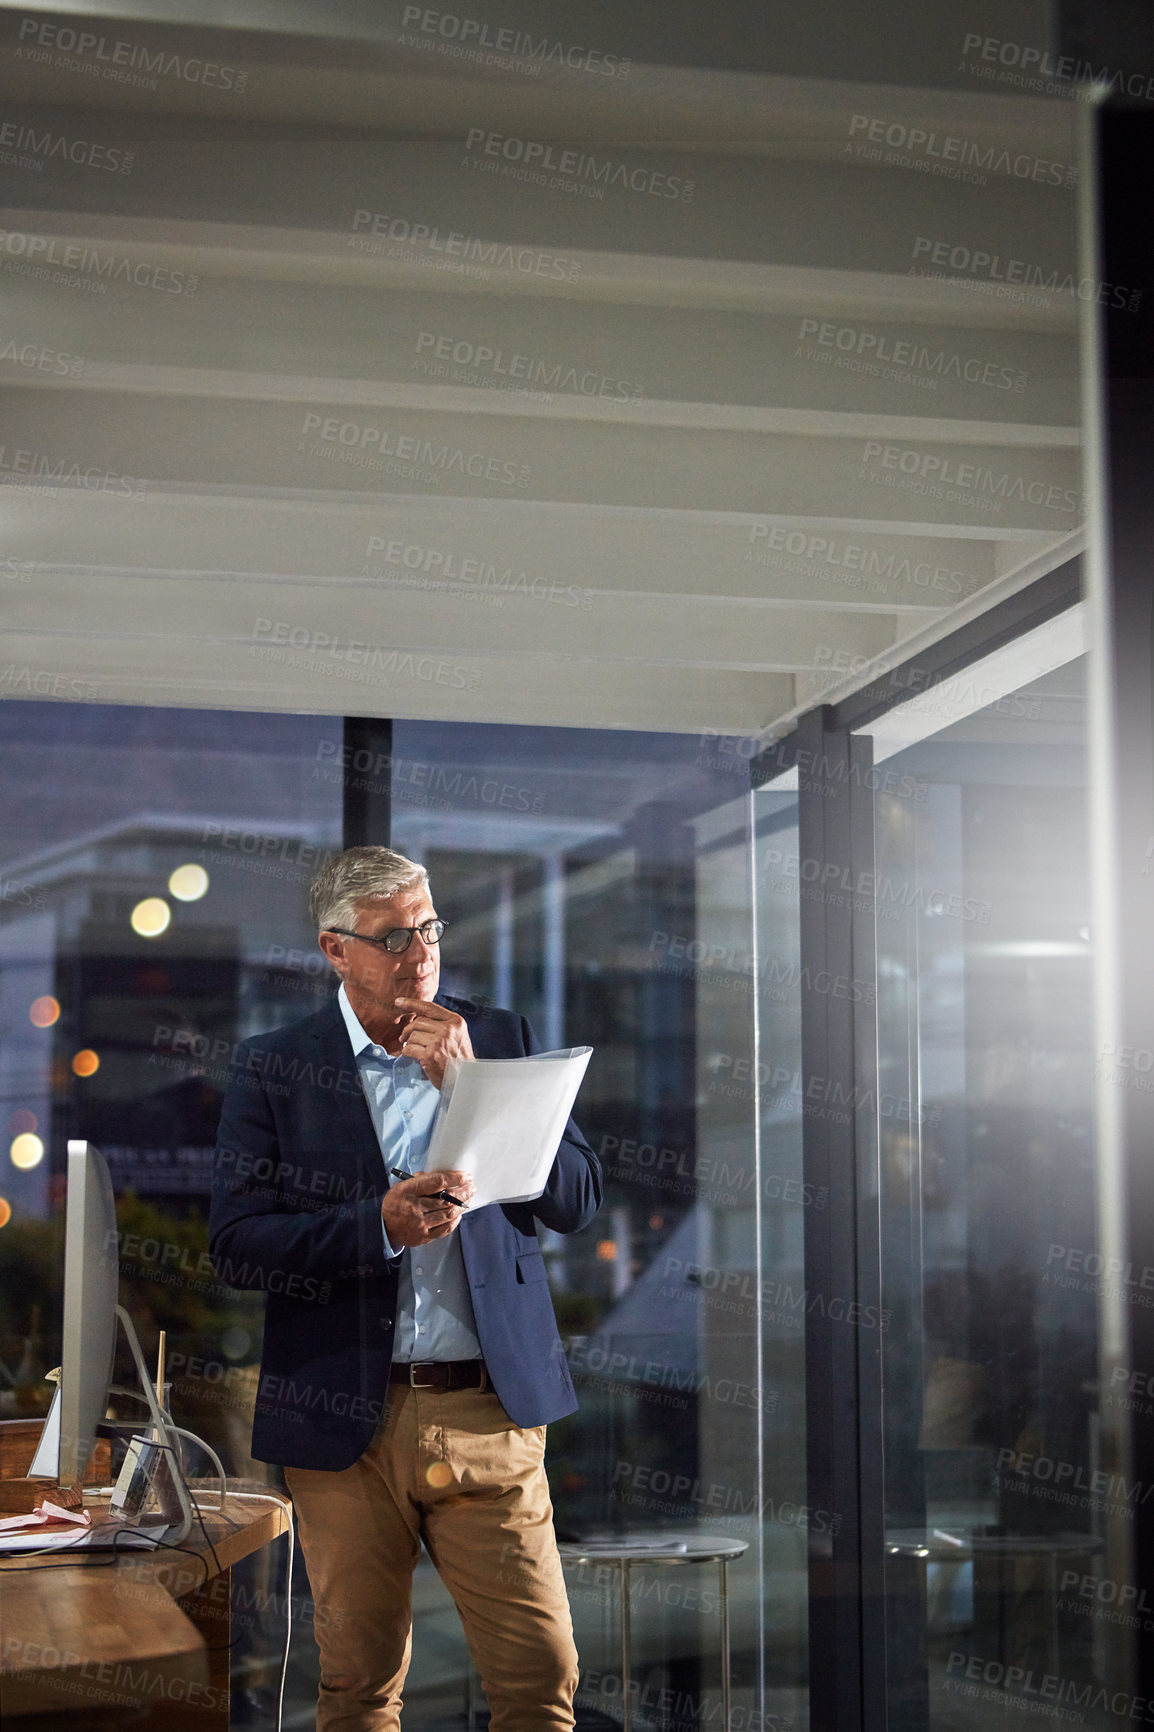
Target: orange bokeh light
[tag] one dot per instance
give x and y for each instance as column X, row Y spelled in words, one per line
column 43, row 1012
column 5, row 1211
column 86, row 1062
column 607, row 1250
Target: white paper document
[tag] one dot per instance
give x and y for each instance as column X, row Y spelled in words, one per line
column 500, row 1120
column 49, row 1516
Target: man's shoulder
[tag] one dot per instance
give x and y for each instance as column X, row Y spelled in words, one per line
column 293, row 1034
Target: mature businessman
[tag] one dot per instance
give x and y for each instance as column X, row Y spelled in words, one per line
column 411, row 1359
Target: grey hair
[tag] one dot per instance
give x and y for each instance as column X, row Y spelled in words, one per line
column 359, row 875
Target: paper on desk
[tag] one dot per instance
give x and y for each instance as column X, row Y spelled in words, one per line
column 501, row 1119
column 49, row 1515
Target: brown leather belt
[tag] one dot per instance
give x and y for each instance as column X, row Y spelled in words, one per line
column 441, row 1375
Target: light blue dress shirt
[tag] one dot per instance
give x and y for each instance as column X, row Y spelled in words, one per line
column 434, row 1311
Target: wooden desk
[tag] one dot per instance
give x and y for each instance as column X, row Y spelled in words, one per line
column 139, row 1639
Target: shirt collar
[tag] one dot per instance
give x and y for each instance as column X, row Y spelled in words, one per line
column 360, row 1040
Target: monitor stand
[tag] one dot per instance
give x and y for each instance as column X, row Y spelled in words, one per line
column 169, row 1484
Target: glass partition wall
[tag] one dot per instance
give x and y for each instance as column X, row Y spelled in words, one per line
column 790, row 1523
column 601, row 885
column 628, row 897
column 157, row 864
column 986, row 1573
column 998, row 1502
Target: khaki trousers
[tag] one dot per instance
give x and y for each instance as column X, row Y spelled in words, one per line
column 451, row 1469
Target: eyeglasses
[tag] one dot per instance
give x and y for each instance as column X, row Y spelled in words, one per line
column 399, row 938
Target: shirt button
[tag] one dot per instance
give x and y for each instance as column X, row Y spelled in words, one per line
column 418, row 1270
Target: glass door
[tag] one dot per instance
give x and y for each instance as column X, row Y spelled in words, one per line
column 1006, row 1503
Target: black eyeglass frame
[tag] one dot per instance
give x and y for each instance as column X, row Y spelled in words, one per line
column 382, row 943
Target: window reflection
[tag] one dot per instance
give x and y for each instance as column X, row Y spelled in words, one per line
column 599, row 883
column 995, row 1491
column 119, row 1026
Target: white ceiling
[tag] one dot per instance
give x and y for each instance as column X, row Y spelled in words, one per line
column 697, row 519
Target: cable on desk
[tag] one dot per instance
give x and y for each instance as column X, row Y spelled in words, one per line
column 102, row 1557
column 158, row 1545
column 79, row 1545
column 105, row 1559
column 207, row 1449
column 207, row 1539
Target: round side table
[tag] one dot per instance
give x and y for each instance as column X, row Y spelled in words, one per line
column 665, row 1549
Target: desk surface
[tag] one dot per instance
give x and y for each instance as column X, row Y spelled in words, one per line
column 109, row 1629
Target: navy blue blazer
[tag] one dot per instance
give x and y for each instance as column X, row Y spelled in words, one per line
column 296, row 1213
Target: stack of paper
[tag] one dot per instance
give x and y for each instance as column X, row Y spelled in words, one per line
column 49, row 1518
column 501, row 1119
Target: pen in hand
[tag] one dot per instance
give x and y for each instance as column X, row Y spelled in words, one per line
column 441, row 1196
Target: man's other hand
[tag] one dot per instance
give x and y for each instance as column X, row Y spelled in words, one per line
column 433, row 1035
column 413, row 1213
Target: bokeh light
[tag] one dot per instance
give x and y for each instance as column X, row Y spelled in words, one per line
column 151, row 917
column 5, row 1211
column 23, row 1119
column 86, row 1062
column 26, row 1152
column 43, row 1012
column 188, row 883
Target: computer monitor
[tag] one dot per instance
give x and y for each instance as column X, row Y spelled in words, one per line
column 91, row 1293
column 91, row 1314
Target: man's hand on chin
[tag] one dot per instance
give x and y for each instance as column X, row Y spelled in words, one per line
column 433, row 1035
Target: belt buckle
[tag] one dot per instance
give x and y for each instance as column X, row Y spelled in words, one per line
column 430, row 1366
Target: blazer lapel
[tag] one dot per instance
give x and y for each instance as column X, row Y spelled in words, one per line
column 350, row 1108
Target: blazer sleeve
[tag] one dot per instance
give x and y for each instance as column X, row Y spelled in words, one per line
column 572, row 1194
column 261, row 1234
